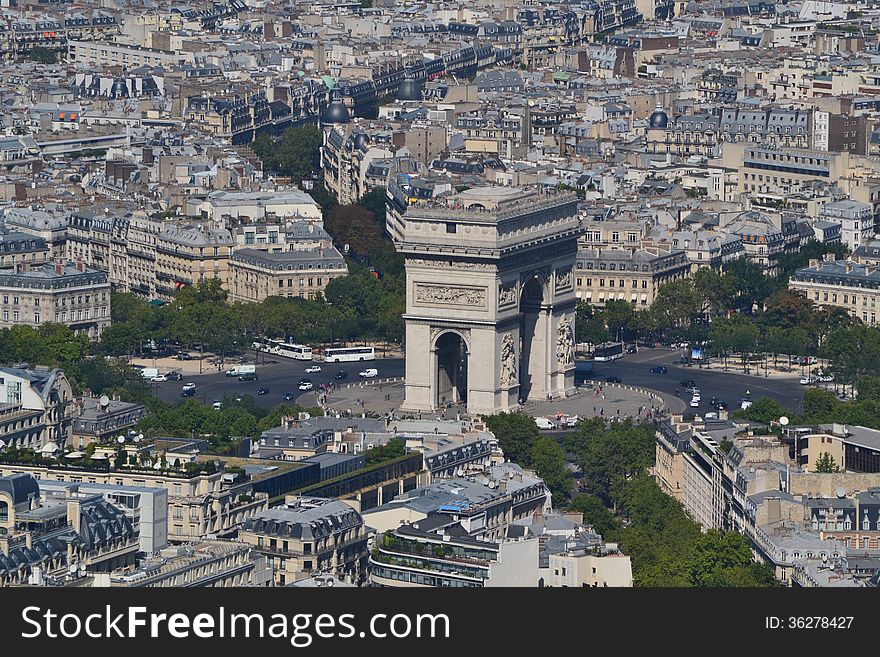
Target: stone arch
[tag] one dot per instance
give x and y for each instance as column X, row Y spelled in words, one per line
column 450, row 353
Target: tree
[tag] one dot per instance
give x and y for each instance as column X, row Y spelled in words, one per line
column 819, row 405
column 43, row 55
column 548, row 461
column 826, row 463
column 595, row 514
column 516, row 433
column 589, row 328
column 766, row 410
column 748, row 279
column 297, row 154
column 618, row 315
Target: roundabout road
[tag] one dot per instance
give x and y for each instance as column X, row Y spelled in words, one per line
column 279, row 375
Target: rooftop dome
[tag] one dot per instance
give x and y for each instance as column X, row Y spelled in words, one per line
column 409, row 89
column 361, row 139
column 658, row 119
column 119, row 89
column 336, row 112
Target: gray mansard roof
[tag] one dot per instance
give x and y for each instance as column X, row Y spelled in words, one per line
column 317, row 519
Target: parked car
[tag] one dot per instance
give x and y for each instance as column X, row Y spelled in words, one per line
column 369, row 373
column 312, row 369
column 825, row 378
column 720, row 405
column 189, row 386
column 659, row 369
column 544, row 423
column 306, row 385
column 159, row 378
column 572, row 420
column 711, row 415
column 745, row 403
column 808, row 380
column 263, row 391
column 613, row 379
column 184, row 356
column 808, row 360
column 341, row 374
column 288, row 396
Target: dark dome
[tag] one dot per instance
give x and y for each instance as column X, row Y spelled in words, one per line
column 19, row 486
column 119, row 89
column 409, row 89
column 336, row 112
column 658, row 119
column 360, row 140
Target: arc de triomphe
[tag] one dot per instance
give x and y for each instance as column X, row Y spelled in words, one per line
column 490, row 301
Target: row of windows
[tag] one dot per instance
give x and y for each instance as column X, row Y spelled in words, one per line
column 622, row 283
column 16, row 300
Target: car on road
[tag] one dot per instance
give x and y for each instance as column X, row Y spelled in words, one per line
column 217, row 405
column 711, row 415
column 159, row 378
column 174, row 376
column 695, row 402
column 263, row 391
column 188, row 392
column 369, row 373
column 544, row 423
column 720, row 405
column 745, row 403
column 306, row 385
column 189, row 386
column 808, row 380
column 688, row 384
column 341, row 374
column 613, row 379
column 288, row 396
column 659, row 369
column 312, row 369
column 631, row 349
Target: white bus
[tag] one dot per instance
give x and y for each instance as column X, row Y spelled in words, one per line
column 289, row 350
column 348, row 354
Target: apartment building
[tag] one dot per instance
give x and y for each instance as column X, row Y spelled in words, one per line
column 633, row 275
column 255, row 275
column 36, row 408
column 346, row 155
column 190, row 255
column 420, row 555
column 17, row 247
column 852, row 286
column 103, row 53
column 199, row 502
column 43, row 536
column 598, row 567
column 101, row 419
column 856, row 221
column 66, row 293
column 145, row 507
column 259, row 206
column 50, row 227
column 307, row 536
column 205, row 563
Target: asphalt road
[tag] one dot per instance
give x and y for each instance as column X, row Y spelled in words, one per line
column 280, row 376
column 634, row 369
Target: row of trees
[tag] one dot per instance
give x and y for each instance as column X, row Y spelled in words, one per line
column 683, row 309
column 356, row 307
column 522, row 443
column 624, row 504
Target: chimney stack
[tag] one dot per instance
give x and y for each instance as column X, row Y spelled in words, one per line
column 79, row 265
column 59, row 268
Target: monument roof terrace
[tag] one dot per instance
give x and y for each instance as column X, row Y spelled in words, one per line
column 489, row 222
